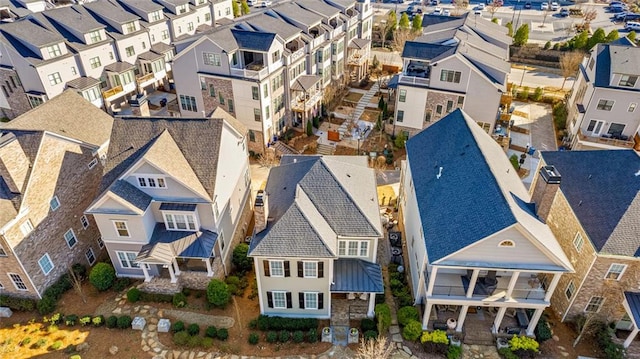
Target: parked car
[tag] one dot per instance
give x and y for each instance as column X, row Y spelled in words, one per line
column 564, row 12
column 627, row 16
column 544, row 6
column 527, row 5
column 266, row 3
column 479, row 6
column 554, row 6
column 632, row 26
column 435, row 2
column 617, row 7
column 446, row 12
column 477, row 12
column 419, row 10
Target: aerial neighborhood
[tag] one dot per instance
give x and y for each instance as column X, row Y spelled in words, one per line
column 319, row 178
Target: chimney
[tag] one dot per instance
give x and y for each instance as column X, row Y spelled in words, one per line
column 261, row 211
column 545, row 191
column 14, row 164
column 140, row 106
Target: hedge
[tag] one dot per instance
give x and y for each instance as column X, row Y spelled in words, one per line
column 383, row 316
column 406, row 314
column 265, row 322
column 17, row 304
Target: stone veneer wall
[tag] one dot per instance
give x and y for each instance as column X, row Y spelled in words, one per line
column 435, row 98
column 17, row 97
column 220, row 86
column 256, row 146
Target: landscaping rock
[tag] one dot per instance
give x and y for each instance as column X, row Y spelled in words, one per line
column 82, row 347
column 138, row 323
column 407, row 350
column 164, row 325
column 5, row 312
column 394, row 329
column 113, row 350
column 397, row 338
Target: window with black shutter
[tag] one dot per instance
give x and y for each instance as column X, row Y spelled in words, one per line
column 265, row 264
column 301, row 300
column 300, row 270
column 289, row 301
column 269, row 297
column 320, row 269
column 287, row 271
column 320, row 300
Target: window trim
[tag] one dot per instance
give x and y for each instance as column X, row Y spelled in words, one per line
column 174, row 223
column 271, row 262
column 156, row 180
column 315, row 269
column 84, row 221
column 619, row 274
column 626, row 83
column 507, row 243
column 589, row 304
column 306, row 306
column 284, row 297
column 92, row 253
column 604, row 107
column 581, row 242
column 28, row 224
column 571, row 287
column 346, row 248
column 75, row 238
column 48, row 258
column 3, row 252
column 126, row 228
column 57, row 201
column 25, row 289
column 129, row 262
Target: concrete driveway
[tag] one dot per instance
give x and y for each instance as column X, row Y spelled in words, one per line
column 259, row 176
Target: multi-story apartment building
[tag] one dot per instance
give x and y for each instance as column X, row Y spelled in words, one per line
column 458, row 62
column 604, row 100
column 106, row 50
column 270, row 70
column 50, row 171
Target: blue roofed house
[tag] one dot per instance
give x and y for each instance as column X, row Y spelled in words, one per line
column 317, row 226
column 593, row 208
column 172, row 203
column 472, row 233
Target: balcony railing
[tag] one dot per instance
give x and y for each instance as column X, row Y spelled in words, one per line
column 256, row 73
column 450, row 285
column 295, row 56
column 414, row 80
column 145, row 78
column 298, row 105
column 112, row 91
column 605, row 141
column 357, row 58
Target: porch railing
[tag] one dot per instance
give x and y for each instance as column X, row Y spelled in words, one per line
column 604, row 140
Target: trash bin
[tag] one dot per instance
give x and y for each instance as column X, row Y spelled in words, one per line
column 532, row 150
column 163, row 102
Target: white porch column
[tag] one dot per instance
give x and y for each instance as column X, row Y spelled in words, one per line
column 534, row 321
column 461, row 317
column 512, row 284
column 432, row 280
column 173, row 275
column 209, row 269
column 472, row 282
column 147, row 277
column 498, row 321
column 631, row 337
column 552, row 287
column 425, row 316
column 174, row 262
column 372, row 305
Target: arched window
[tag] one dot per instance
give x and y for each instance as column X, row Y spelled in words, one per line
column 507, row 243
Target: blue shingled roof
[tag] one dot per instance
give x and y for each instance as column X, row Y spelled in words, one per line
column 253, row 40
column 465, row 204
column 356, row 276
column 164, row 245
column 425, row 51
column 603, row 65
column 633, row 299
column 599, row 186
column 182, row 207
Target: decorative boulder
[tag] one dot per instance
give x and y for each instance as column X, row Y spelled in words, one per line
column 5, row 312
column 138, row 323
column 164, row 325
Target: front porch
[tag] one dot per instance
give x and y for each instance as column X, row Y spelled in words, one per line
column 191, row 273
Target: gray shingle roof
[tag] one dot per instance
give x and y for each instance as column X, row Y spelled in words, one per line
column 131, row 194
column 73, row 18
column 356, row 276
column 268, row 23
column 425, row 51
column 305, row 82
column 150, row 56
column 144, row 5
column 119, row 67
column 613, row 58
column 602, row 188
column 253, row 40
column 319, row 7
column 295, row 12
column 32, row 33
column 109, row 10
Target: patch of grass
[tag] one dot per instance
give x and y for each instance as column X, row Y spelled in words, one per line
column 353, row 97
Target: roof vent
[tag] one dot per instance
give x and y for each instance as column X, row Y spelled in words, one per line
column 550, row 174
column 439, row 173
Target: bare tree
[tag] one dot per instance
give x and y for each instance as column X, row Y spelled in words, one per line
column 76, row 281
column 545, row 13
column 569, row 64
column 374, row 349
column 268, row 159
column 587, row 17
column 400, row 37
column 493, row 7
column 460, row 6
column 383, row 30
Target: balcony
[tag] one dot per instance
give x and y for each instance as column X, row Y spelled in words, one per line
column 357, row 57
column 145, row 78
column 605, row 141
column 113, row 92
column 413, row 80
column 295, row 56
column 255, row 71
column 301, row 105
column 454, row 286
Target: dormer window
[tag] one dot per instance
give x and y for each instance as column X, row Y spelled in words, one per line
column 151, row 182
column 129, row 27
column 54, row 51
column 95, row 36
column 628, row 81
column 181, row 9
column 155, row 16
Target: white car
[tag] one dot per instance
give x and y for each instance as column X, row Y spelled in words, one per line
column 555, row 6
column 479, row 6
column 265, row 3
column 446, row 12
column 477, row 12
column 632, row 26
column 544, row 6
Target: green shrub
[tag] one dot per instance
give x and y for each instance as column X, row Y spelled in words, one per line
column 156, row 297
column 239, row 258
column 254, row 338
column 85, row 320
column 179, row 300
column 180, row 338
column 514, row 161
column 455, row 352
column 537, row 94
column 40, row 343
column 211, row 332
column 523, row 346
column 178, row 326
column 25, row 341
column 542, row 331
column 80, row 271
column 612, row 350
column 284, row 336
column 412, row 330
column 383, row 316
column 97, row 321
column 560, row 115
column 312, row 335
column 75, row 356
column 547, row 45
column 370, row 334
column 46, row 305
column 193, row 329
column 435, row 342
column 112, row 321
column 56, row 345
column 265, row 322
column 506, row 353
column 272, row 337
column 133, row 295
column 218, row 293
column 223, row 333
column 395, row 284
column 253, row 323
column 71, row 320
column 17, row 304
column 194, row 341
column 121, row 284
column 524, row 94
column 406, row 314
column 367, row 324
column 102, row 276
column 124, row 322
column 206, row 343
column 298, row 336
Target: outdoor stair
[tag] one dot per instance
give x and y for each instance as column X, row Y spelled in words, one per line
column 285, row 149
column 325, row 149
column 364, row 101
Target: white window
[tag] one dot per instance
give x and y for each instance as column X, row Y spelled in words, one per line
column 155, row 16
column 188, row 103
column 127, row 259
column 165, row 34
column 130, row 27
column 578, row 242
column 3, row 253
column 180, row 221
column 605, row 105
column 632, row 107
column 190, row 26
column 276, row 268
column 91, row 257
column 595, row 303
column 211, row 58
column 45, row 264
column 70, row 238
column 54, row 203
column 310, row 300
column 73, row 70
column 100, row 243
column 628, row 81
column 26, row 227
column 93, row 163
column 615, row 271
column 353, row 248
column 571, row 288
column 152, row 182
column 121, row 228
column 310, row 269
column 54, row 50
column 95, row 36
column 84, row 221
column 279, row 299
column 94, row 62
column 130, row 51
column 17, row 281
column 55, row 78
column 35, row 101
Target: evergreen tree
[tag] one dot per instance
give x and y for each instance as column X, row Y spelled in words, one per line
column 581, row 40
column 404, row 21
column 612, row 36
column 393, row 20
column 416, row 24
column 509, row 27
column 522, row 35
column 381, row 104
column 598, row 37
column 309, row 128
column 236, row 8
column 632, row 36
column 244, row 7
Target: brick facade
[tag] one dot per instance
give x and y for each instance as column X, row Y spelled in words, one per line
column 219, row 88
column 15, row 94
column 435, row 98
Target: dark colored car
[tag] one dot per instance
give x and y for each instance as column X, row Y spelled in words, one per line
column 527, row 5
column 564, row 12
